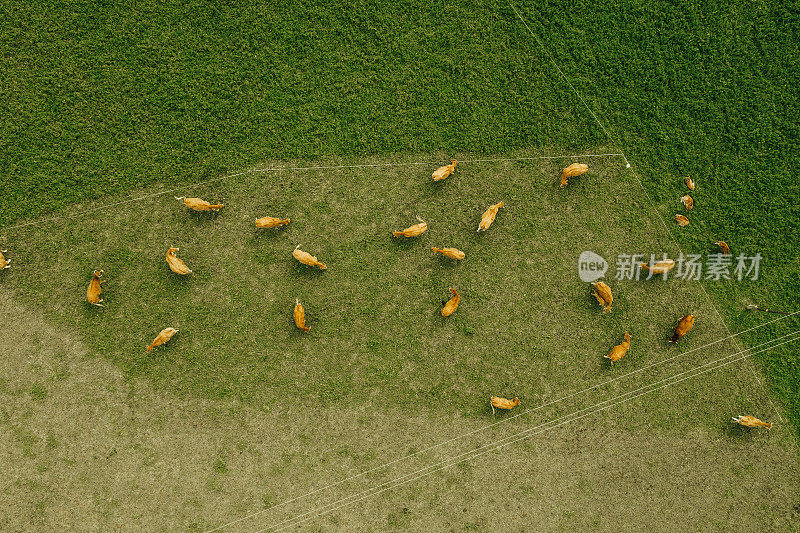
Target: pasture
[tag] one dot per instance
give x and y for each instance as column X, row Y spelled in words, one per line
column 337, row 122
column 381, row 374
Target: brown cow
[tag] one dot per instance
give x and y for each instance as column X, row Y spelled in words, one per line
column 751, row 422
column 163, row 336
column 723, row 247
column 442, row 172
column 300, row 316
column 503, row 403
column 681, row 220
column 602, row 293
column 198, row 204
column 452, row 304
column 619, row 351
column 660, row 267
column 683, row 327
column 271, row 222
column 575, row 169
column 175, row 264
column 307, row 259
column 488, row 216
column 94, row 290
column 412, row 231
column 452, row 253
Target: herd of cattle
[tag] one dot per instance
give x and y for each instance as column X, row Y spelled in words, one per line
column 601, row 291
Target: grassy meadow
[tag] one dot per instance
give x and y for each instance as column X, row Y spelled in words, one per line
column 378, row 355
column 240, row 411
column 101, row 105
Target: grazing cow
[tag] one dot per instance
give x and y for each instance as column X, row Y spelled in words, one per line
column 688, row 202
column 4, row 263
column 603, row 294
column 723, row 247
column 575, row 169
column 198, row 204
column 452, row 304
column 683, row 327
column 661, row 267
column 175, row 264
column 488, row 216
column 442, row 172
column 751, row 422
column 412, row 231
column 165, row 335
column 619, row 351
column 452, row 253
column 503, row 403
column 681, row 220
column 689, row 183
column 307, row 259
column 94, row 290
column 300, row 316
column 271, row 222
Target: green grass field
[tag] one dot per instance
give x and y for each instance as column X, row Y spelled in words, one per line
column 240, row 411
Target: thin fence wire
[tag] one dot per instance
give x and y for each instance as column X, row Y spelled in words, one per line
column 288, row 169
column 647, row 194
column 489, row 426
column 496, row 445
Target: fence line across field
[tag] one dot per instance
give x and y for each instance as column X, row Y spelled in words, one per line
column 511, row 439
column 503, row 421
column 647, row 194
column 294, row 169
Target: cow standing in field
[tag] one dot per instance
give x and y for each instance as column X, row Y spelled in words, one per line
column 300, row 316
column 94, row 290
column 619, row 351
column 724, row 249
column 307, row 259
column 163, row 336
column 502, row 403
column 659, row 268
column 175, row 264
column 751, row 422
column 683, row 327
column 452, row 253
column 488, row 216
column 198, row 204
column 602, row 293
column 575, row 169
column 412, row 231
column 443, row 172
column 452, row 304
column 271, row 222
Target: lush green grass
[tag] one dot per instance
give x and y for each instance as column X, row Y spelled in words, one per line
column 179, row 92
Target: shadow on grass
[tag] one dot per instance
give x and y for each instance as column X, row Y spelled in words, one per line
column 301, row 271
column 270, row 233
column 737, row 431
